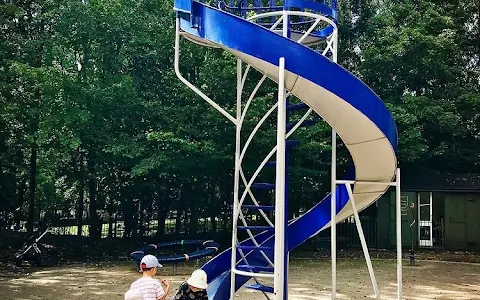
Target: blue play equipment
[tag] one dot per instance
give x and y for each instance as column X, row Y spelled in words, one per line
column 293, row 43
column 209, row 249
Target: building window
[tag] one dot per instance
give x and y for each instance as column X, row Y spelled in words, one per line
column 425, row 219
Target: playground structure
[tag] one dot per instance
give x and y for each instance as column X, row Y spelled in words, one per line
column 32, row 249
column 293, row 43
column 209, row 248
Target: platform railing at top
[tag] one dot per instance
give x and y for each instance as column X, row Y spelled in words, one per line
column 245, row 8
column 249, row 8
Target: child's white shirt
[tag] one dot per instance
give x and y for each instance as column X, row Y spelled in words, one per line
column 150, row 288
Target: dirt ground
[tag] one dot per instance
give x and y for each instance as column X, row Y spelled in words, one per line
column 309, row 279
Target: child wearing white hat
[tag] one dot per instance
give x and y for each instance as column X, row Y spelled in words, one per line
column 147, row 288
column 195, row 288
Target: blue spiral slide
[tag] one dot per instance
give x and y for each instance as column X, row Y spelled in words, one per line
column 351, row 108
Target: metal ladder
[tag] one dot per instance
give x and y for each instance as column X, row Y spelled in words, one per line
column 265, row 268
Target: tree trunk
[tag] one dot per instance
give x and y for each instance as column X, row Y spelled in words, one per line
column 194, row 213
column 128, row 216
column 162, row 211
column 134, row 224
column 227, row 199
column 81, row 196
column 32, row 186
column 110, row 224
column 116, row 224
column 213, row 217
column 213, row 208
column 110, row 210
column 94, row 231
column 20, row 202
column 80, row 201
column 141, row 217
column 180, row 210
column 178, row 221
column 161, row 218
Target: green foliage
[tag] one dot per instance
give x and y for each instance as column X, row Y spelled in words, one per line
column 92, row 88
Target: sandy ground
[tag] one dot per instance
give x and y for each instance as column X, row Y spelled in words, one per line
column 308, row 280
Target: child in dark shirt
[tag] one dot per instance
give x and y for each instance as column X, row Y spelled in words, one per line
column 195, row 288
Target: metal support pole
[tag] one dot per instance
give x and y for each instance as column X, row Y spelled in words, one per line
column 333, row 214
column 279, row 259
column 176, row 64
column 363, row 241
column 236, row 184
column 285, row 33
column 399, row 235
column 333, row 224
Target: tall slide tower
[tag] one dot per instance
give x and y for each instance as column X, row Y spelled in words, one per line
column 293, row 43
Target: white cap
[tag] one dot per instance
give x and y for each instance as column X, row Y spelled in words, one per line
column 149, row 261
column 133, row 295
column 198, row 279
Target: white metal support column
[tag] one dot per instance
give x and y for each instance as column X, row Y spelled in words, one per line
column 279, row 259
column 398, row 222
column 362, row 240
column 333, row 211
column 283, row 225
column 333, row 214
column 399, row 234
column 236, row 184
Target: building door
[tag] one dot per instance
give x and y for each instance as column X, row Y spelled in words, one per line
column 473, row 222
column 425, row 238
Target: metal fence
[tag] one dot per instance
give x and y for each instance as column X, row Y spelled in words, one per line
column 113, row 226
